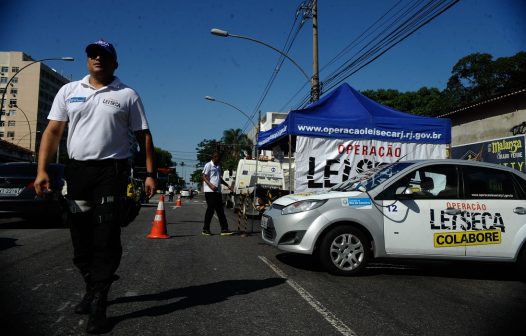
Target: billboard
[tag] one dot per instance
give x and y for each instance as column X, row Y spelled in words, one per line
column 321, row 163
column 508, row 152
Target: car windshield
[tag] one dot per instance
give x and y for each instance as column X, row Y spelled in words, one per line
column 372, row 177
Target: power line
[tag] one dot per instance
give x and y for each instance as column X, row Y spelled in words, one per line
column 401, row 33
column 304, row 9
column 401, row 25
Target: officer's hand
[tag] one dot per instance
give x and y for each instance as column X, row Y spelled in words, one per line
column 41, row 184
column 150, row 185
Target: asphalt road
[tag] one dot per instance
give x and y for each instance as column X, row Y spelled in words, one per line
column 195, row 285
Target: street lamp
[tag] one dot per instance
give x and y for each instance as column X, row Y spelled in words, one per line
column 255, row 146
column 315, row 85
column 23, row 137
column 28, row 126
column 223, row 33
column 67, row 59
column 234, row 107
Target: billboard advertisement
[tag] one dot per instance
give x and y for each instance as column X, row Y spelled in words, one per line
column 508, row 152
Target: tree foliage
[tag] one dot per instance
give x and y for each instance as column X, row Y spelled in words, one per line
column 474, row 78
column 205, row 149
column 163, row 158
column 234, row 145
column 196, row 176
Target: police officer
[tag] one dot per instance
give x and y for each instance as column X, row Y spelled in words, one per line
column 100, row 111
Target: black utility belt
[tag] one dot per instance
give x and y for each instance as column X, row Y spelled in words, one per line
column 98, row 163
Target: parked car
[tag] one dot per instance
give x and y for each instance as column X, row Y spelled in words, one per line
column 18, row 197
column 185, row 193
column 436, row 209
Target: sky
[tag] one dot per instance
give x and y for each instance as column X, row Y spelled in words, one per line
column 167, row 54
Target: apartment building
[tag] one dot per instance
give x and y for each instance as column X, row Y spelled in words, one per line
column 27, row 99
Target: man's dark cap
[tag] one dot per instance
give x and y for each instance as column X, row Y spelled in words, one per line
column 104, row 46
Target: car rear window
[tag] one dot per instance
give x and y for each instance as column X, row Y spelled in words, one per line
column 26, row 169
column 18, row 170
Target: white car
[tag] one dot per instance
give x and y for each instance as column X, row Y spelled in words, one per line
column 438, row 209
column 185, row 193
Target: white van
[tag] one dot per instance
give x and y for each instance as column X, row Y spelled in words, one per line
column 269, row 181
column 229, row 176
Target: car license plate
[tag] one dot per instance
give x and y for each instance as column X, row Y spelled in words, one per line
column 264, row 222
column 10, row 191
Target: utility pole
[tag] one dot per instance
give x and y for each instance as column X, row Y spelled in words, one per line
column 315, row 83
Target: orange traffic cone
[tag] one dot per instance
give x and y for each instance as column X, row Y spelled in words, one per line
column 178, row 203
column 159, row 222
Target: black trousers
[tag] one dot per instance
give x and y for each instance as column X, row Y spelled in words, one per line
column 95, row 234
column 214, row 202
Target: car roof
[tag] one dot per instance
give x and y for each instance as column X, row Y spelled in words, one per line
column 27, row 168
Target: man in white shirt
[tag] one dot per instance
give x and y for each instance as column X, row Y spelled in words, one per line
column 212, row 180
column 171, row 192
column 99, row 111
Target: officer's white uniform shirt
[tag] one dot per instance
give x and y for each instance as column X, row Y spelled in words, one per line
column 213, row 173
column 99, row 119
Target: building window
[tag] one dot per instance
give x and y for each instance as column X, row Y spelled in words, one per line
column 5, row 69
column 3, row 79
column 11, row 113
column 11, row 123
column 14, row 91
column 14, row 69
column 12, row 101
column 10, row 134
column 1, row 134
column 14, row 80
column 2, row 90
column 2, row 123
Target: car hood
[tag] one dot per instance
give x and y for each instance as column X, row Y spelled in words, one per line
column 289, row 199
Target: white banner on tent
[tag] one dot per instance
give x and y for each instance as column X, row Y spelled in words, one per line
column 322, row 163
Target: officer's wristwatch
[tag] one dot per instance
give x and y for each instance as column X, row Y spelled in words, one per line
column 150, row 174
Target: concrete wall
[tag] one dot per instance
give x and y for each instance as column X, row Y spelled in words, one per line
column 494, row 119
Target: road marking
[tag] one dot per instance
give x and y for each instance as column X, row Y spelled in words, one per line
column 327, row 315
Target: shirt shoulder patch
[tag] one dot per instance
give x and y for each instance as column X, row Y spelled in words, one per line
column 76, row 100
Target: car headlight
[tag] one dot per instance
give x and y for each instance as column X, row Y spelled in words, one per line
column 302, row 206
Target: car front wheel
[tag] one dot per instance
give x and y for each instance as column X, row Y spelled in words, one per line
column 344, row 250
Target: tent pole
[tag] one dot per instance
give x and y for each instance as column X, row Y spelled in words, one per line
column 290, row 164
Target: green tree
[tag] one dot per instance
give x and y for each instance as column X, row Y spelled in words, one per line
column 234, row 144
column 197, row 176
column 163, row 158
column 205, row 149
column 474, row 78
column 425, row 101
column 510, row 72
column 477, row 77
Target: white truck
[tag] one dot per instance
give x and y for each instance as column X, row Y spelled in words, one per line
column 229, row 177
column 268, row 184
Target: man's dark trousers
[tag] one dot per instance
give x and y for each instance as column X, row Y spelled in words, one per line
column 96, row 234
column 214, row 202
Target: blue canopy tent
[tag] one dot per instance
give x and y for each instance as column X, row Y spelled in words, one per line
column 345, row 113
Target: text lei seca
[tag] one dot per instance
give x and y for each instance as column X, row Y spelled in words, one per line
column 480, row 226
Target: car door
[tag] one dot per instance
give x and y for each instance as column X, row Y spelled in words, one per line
column 418, row 223
column 500, row 212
